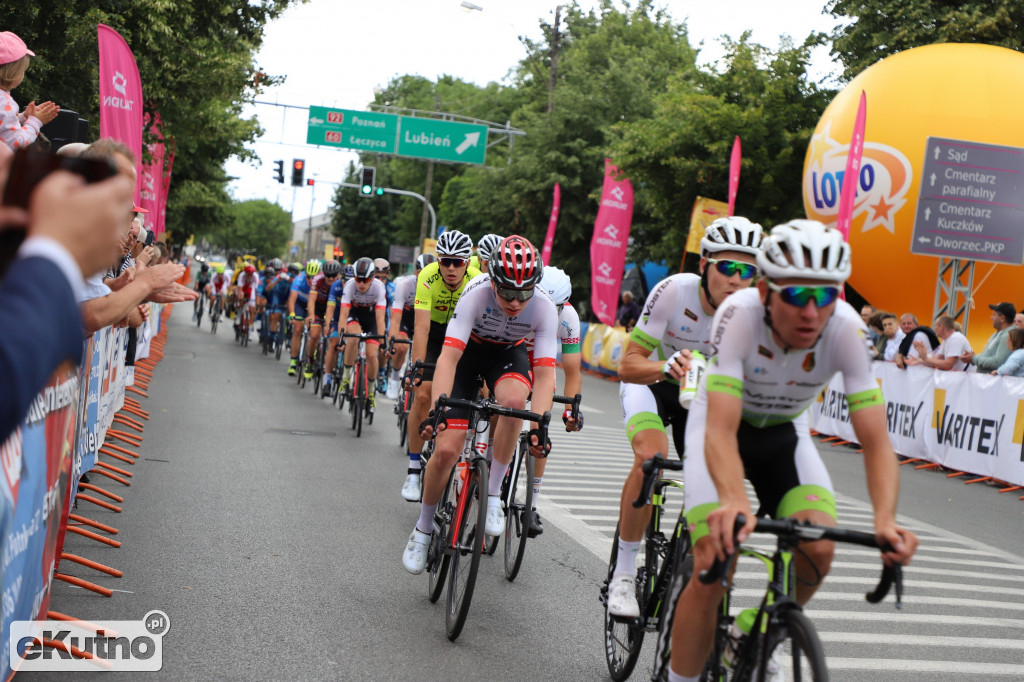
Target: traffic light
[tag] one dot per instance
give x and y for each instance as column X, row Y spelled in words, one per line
column 298, row 172
column 366, row 187
column 309, row 182
column 279, row 171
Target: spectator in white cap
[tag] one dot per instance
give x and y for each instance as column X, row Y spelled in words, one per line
column 19, row 129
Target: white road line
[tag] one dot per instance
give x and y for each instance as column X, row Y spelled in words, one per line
column 919, row 640
column 886, row 616
column 821, row 597
column 966, row 669
column 911, row 585
column 923, row 570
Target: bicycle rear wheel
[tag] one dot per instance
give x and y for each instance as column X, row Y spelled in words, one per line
column 518, row 502
column 468, row 536
column 801, row 647
column 622, row 638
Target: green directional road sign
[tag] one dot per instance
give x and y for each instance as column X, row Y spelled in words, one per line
column 362, row 130
column 429, row 138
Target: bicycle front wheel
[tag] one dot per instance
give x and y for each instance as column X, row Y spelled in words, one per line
column 468, row 536
column 437, row 557
column 622, row 638
column 801, row 647
column 518, row 493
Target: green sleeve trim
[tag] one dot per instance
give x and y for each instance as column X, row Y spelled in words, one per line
column 643, row 421
column 724, row 384
column 645, row 340
column 570, row 348
column 868, row 398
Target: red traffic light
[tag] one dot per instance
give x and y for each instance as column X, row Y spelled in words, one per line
column 309, row 182
column 298, row 164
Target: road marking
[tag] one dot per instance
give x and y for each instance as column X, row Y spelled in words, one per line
column 919, row 618
column 966, row 669
column 889, row 638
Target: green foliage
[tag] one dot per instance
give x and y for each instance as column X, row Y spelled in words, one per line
column 875, row 29
column 257, row 226
column 682, row 151
column 196, row 61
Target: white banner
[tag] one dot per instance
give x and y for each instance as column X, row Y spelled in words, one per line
column 964, row 421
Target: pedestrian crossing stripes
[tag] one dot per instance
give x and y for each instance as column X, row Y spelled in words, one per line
column 963, row 604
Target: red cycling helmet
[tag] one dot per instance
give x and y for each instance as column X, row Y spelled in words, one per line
column 250, row 268
column 515, row 264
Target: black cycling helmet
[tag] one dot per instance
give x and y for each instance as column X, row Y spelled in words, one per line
column 365, row 268
column 332, row 268
column 204, row 268
column 294, row 269
column 425, row 259
column 269, row 271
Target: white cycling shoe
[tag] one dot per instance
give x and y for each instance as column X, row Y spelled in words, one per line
column 392, row 392
column 495, row 525
column 411, row 488
column 414, row 558
column 622, row 597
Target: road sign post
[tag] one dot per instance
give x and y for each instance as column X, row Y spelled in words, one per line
column 970, row 202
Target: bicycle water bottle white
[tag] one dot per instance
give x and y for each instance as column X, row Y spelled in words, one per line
column 738, row 632
column 688, row 386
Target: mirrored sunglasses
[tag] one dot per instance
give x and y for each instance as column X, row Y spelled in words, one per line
column 452, row 262
column 802, row 295
column 731, row 267
column 363, row 280
column 514, row 294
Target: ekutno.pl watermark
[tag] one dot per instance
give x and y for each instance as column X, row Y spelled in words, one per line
column 122, row 645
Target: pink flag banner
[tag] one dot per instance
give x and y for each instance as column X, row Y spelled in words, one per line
column 549, row 238
column 120, row 94
column 848, row 193
column 151, row 179
column 162, row 220
column 608, row 245
column 734, row 174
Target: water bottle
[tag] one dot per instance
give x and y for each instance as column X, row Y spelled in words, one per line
column 460, row 474
column 738, row 632
column 688, row 387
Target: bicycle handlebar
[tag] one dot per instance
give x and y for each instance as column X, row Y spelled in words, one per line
column 487, row 408
column 394, row 341
column 792, row 530
column 364, row 336
column 651, row 468
column 573, row 404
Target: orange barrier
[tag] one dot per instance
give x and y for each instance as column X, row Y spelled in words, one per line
column 101, row 491
column 84, row 624
column 94, row 524
column 98, row 503
column 111, row 467
column 93, row 536
column 126, row 460
column 91, row 564
column 78, row 582
column 75, row 651
column 118, row 448
column 104, row 472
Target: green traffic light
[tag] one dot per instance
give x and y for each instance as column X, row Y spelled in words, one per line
column 380, row 191
column 365, row 189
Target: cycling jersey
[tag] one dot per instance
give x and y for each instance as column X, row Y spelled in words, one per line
column 776, row 385
column 322, row 287
column 374, row 297
column 248, row 282
column 672, row 318
column 434, row 295
column 278, row 289
column 202, row 280
column 221, row 283
column 301, row 287
column 478, row 317
column 405, row 293
column 568, row 330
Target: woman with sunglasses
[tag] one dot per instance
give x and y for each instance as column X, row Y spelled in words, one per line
column 675, row 320
column 792, row 334
column 486, row 337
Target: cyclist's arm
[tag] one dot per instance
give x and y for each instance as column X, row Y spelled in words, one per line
column 722, row 453
column 571, row 363
column 381, row 327
column 311, row 304
column 543, row 389
column 636, row 367
column 329, row 313
column 292, row 297
column 419, row 338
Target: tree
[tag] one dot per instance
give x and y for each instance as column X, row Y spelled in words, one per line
column 875, row 29
column 682, row 151
column 256, row 226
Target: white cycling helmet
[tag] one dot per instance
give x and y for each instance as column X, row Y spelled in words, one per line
column 734, row 233
column 557, row 284
column 454, row 244
column 805, row 249
column 486, row 245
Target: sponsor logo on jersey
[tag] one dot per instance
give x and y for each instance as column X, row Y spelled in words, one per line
column 690, row 314
column 761, row 350
column 808, row 365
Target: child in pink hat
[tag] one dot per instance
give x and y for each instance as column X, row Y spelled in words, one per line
column 19, row 129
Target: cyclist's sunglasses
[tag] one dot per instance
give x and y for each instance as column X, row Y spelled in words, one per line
column 802, row 295
column 363, row 280
column 514, row 294
column 731, row 267
column 452, row 262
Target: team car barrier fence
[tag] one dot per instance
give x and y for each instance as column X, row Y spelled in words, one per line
column 82, row 413
column 969, row 422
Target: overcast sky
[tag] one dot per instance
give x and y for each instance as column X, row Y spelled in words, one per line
column 336, row 52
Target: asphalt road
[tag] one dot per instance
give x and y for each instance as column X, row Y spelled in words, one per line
column 272, row 538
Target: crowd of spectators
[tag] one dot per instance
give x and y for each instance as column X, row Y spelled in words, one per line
column 75, row 260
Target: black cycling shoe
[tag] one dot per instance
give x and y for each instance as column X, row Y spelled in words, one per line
column 536, row 527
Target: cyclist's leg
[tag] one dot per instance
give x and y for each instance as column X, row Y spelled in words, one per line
column 447, row 446
column 297, row 325
column 331, row 357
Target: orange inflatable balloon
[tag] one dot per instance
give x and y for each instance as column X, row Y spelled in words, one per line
column 955, row 91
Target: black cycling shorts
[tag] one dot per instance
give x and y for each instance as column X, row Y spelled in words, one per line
column 493, row 363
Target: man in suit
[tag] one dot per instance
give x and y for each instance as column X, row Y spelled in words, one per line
column 72, row 228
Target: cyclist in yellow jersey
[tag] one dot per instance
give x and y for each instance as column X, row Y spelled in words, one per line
column 438, row 288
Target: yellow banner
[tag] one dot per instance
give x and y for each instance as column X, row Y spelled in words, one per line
column 430, row 246
column 329, row 252
column 705, row 212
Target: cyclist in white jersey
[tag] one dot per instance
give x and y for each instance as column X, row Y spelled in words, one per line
column 559, row 288
column 403, row 320
column 676, row 319
column 774, row 349
column 363, row 302
column 493, row 317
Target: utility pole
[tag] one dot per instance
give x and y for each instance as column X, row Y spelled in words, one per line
column 426, row 192
column 555, row 41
